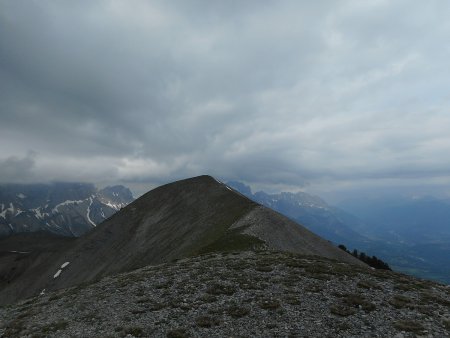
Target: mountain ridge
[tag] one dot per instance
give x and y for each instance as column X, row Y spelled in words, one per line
column 177, row 220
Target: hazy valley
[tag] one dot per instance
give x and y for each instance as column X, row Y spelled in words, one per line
column 412, row 235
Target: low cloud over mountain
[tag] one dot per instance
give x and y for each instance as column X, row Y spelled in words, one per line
column 331, row 95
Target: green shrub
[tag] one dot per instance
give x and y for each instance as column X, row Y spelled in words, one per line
column 177, row 333
column 207, row 321
column 221, row 289
column 269, row 304
column 341, row 310
column 237, row 311
column 399, row 301
column 55, row 326
column 409, row 326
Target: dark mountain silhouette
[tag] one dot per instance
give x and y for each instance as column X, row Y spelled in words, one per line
column 177, row 220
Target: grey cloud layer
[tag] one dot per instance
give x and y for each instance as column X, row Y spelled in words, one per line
column 290, row 92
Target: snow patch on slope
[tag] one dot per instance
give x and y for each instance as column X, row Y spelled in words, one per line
column 10, row 209
column 114, row 206
column 89, row 211
column 39, row 214
column 68, row 202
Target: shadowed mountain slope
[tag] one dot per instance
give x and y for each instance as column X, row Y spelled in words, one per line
column 177, row 220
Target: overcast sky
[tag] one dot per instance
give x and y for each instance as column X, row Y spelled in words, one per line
column 324, row 96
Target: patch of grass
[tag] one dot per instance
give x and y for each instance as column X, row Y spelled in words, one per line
column 14, row 328
column 264, row 268
column 267, row 258
column 218, row 234
column 269, row 304
column 446, row 323
column 319, row 268
column 26, row 314
column 163, row 284
column 150, row 304
column 431, row 298
column 179, row 303
column 400, row 301
column 246, row 283
column 292, row 299
column 410, row 286
column 271, row 326
column 342, row 269
column 138, row 311
column 134, row 331
column 140, row 292
column 314, row 288
column 135, row 277
column 367, row 284
column 55, row 326
column 90, row 317
column 221, row 289
column 131, row 330
column 207, row 321
column 343, row 326
column 426, row 309
column 357, row 301
column 144, row 300
column 30, row 301
column 409, row 326
column 341, row 310
column 237, row 311
column 240, row 266
column 207, row 298
column 233, row 240
column 296, row 263
column 54, row 297
column 321, row 276
column 177, row 333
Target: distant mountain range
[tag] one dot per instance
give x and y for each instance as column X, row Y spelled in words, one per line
column 312, row 212
column 67, row 209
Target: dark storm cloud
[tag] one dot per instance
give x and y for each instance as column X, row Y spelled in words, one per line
column 13, row 168
column 279, row 93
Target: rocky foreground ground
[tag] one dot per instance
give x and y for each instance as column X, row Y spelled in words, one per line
column 246, row 294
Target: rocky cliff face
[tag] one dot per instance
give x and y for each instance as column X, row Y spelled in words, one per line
column 257, row 294
column 66, row 209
